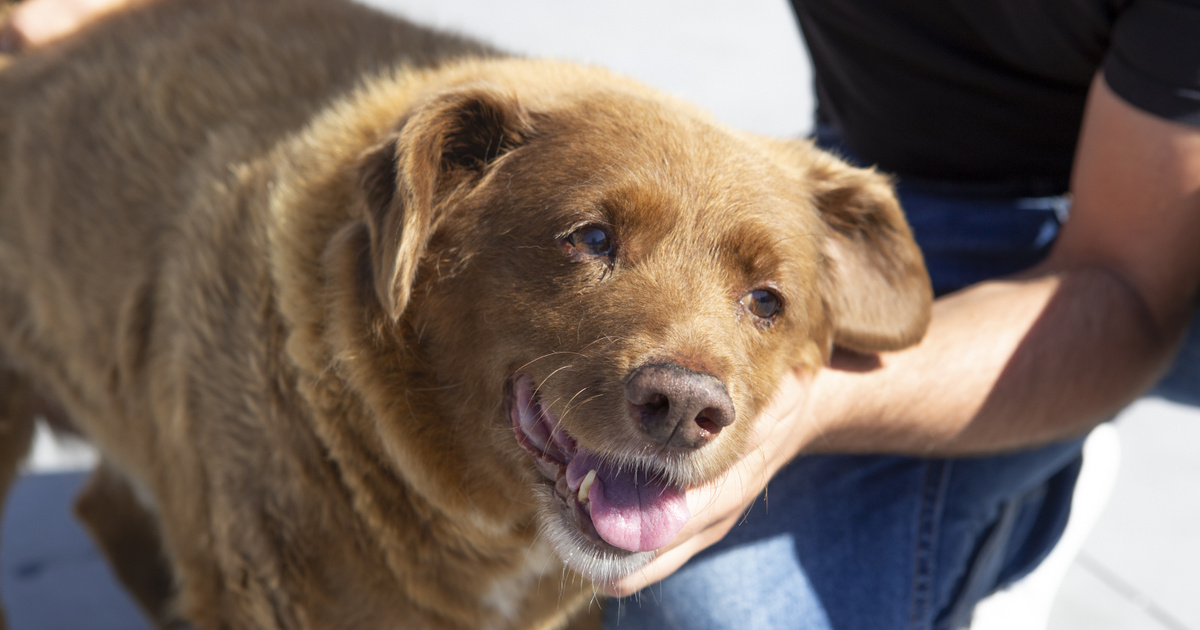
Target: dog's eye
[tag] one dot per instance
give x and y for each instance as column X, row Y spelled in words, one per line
column 590, row 241
column 762, row 303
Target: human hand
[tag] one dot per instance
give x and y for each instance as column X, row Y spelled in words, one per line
column 779, row 434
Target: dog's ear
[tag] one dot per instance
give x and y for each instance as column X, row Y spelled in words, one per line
column 445, row 143
column 875, row 282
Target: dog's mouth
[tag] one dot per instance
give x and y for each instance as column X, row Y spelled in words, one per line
column 628, row 507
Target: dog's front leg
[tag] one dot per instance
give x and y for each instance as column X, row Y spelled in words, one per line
column 128, row 534
column 16, row 431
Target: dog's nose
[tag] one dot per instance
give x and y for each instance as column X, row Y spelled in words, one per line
column 678, row 407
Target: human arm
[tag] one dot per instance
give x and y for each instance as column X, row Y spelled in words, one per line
column 1046, row 355
column 1013, row 362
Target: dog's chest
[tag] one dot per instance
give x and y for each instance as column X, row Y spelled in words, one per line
column 510, row 594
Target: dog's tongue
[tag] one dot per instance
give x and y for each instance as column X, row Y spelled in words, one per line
column 627, row 509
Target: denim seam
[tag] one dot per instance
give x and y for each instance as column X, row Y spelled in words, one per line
column 982, row 570
column 925, row 553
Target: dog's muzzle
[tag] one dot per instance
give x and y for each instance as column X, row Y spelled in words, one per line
column 626, row 506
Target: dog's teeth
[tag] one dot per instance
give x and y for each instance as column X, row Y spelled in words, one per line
column 586, row 485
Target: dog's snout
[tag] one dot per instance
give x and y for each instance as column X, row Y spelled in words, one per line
column 678, row 407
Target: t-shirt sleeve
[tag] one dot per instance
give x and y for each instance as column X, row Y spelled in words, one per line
column 1153, row 61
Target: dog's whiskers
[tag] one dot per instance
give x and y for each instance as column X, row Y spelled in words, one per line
column 597, row 340
column 548, row 355
column 562, row 581
column 556, row 425
column 568, row 409
column 538, row 389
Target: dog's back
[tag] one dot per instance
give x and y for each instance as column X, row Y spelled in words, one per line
column 123, row 116
column 134, row 116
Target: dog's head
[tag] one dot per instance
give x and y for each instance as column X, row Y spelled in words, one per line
column 602, row 288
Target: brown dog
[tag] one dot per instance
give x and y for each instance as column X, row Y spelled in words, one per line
column 369, row 323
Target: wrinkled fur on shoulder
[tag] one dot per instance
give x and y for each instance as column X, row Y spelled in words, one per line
column 278, row 260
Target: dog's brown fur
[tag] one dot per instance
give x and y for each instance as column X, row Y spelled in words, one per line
column 278, row 261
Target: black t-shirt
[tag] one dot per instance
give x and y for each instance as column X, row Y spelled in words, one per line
column 992, row 90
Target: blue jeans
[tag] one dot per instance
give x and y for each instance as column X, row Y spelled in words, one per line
column 884, row 542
